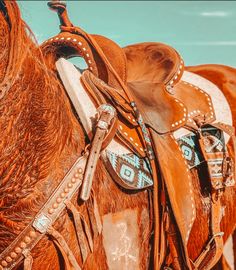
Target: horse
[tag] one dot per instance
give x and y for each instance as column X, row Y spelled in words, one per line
column 42, row 137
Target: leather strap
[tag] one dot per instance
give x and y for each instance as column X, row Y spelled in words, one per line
column 28, row 261
column 156, row 215
column 214, row 248
column 64, row 248
column 215, row 243
column 107, row 113
column 79, row 230
column 172, row 167
column 48, row 214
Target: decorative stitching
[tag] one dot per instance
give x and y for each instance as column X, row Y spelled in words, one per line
column 171, row 82
column 89, row 62
column 208, row 99
column 176, row 124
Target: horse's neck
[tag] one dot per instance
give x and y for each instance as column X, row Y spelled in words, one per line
column 40, row 138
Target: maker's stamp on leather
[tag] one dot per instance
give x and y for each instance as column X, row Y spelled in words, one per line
column 120, row 240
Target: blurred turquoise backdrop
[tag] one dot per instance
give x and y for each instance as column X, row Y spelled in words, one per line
column 202, row 31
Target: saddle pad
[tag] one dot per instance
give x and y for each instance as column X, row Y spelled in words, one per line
column 210, row 148
column 189, row 145
column 129, row 170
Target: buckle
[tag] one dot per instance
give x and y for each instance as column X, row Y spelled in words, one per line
column 42, row 223
column 228, row 171
column 228, row 166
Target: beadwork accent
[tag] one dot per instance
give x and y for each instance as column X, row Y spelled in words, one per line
column 133, row 171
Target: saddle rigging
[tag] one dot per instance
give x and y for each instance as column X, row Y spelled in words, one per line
column 144, row 108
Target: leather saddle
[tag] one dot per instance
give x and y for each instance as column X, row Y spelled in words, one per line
column 142, row 80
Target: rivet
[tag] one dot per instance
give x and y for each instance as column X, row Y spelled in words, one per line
column 4, row 263
column 58, row 200
column 69, row 185
column 84, row 49
column 22, row 244
column 80, row 170
column 55, row 205
column 66, row 190
column 56, row 38
column 13, row 255
column 18, row 250
column 79, row 43
column 73, row 180
column 62, row 195
column 50, row 210
column 68, row 38
column 27, row 239
column 32, row 234
column 8, row 259
column 75, row 39
column 76, row 175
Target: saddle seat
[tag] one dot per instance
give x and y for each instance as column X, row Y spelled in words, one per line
column 154, row 73
column 153, row 62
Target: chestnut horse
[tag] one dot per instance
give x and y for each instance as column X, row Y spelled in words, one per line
column 41, row 138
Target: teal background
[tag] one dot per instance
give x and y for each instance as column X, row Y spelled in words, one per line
column 202, row 31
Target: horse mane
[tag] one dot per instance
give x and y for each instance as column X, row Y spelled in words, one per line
column 40, row 137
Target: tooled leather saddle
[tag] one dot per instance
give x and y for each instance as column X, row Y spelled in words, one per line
column 144, row 83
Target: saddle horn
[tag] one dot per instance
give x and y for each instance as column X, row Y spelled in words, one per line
column 60, row 7
column 105, row 59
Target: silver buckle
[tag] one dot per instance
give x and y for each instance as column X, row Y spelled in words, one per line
column 42, row 223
